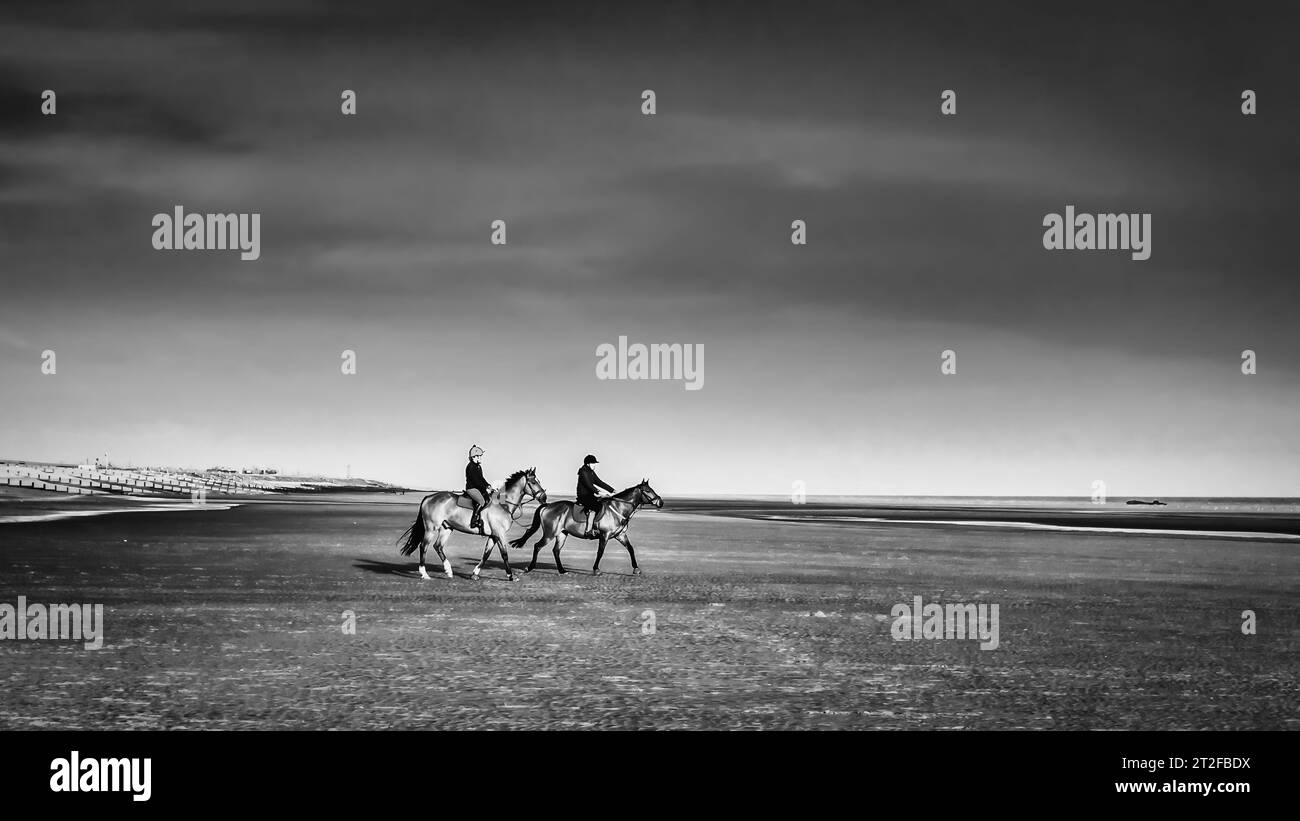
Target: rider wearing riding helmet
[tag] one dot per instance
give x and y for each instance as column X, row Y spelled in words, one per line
column 588, row 495
column 476, row 487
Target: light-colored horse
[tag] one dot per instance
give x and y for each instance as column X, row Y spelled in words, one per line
column 441, row 513
column 560, row 520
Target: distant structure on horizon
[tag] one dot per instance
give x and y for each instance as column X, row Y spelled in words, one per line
column 99, row 477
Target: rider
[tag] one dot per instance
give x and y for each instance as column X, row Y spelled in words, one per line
column 476, row 487
column 588, row 497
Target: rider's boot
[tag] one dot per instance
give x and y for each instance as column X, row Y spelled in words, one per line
column 591, row 520
column 475, row 520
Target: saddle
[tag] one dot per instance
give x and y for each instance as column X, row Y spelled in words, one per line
column 464, row 500
column 581, row 512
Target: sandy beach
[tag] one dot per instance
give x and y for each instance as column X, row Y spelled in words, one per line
column 763, row 617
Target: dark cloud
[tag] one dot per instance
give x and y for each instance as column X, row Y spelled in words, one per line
column 924, row 231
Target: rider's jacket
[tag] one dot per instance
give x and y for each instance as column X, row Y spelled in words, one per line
column 588, row 481
column 474, row 478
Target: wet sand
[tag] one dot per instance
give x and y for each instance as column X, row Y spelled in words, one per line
column 232, row 619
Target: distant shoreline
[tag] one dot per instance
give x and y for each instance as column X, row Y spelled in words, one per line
column 858, row 498
column 1240, row 518
column 1216, row 518
column 60, row 515
column 26, row 506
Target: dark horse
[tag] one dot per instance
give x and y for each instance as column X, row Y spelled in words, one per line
column 442, row 512
column 560, row 520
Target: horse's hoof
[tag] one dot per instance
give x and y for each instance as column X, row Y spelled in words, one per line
column 562, row 572
column 636, row 571
column 512, row 578
column 424, row 575
column 595, row 572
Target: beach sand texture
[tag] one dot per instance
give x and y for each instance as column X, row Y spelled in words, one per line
column 233, row 619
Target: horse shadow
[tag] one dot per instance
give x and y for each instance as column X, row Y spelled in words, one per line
column 577, row 571
column 408, row 570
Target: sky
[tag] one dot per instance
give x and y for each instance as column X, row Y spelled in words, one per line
column 821, row 361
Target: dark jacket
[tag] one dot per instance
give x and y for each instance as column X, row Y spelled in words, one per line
column 474, row 478
column 588, row 481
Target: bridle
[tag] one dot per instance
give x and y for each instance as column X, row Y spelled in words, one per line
column 524, row 495
column 635, row 505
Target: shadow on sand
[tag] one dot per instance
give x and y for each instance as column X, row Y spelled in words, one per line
column 404, row 569
column 409, row 570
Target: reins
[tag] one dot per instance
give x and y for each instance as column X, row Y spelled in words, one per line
column 519, row 505
column 627, row 517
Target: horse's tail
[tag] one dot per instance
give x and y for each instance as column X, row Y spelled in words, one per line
column 537, row 522
column 414, row 534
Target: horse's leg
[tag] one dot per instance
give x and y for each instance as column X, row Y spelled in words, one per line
column 537, row 548
column 423, row 542
column 487, row 551
column 622, row 537
column 560, row 539
column 600, row 551
column 443, row 534
column 501, row 547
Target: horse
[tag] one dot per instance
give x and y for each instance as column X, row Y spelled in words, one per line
column 560, row 520
column 440, row 513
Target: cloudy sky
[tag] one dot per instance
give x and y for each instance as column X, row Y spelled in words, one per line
column 821, row 362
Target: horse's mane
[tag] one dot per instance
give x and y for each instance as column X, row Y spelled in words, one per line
column 628, row 489
column 512, row 477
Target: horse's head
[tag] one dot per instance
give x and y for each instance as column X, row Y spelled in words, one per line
column 534, row 488
column 648, row 495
